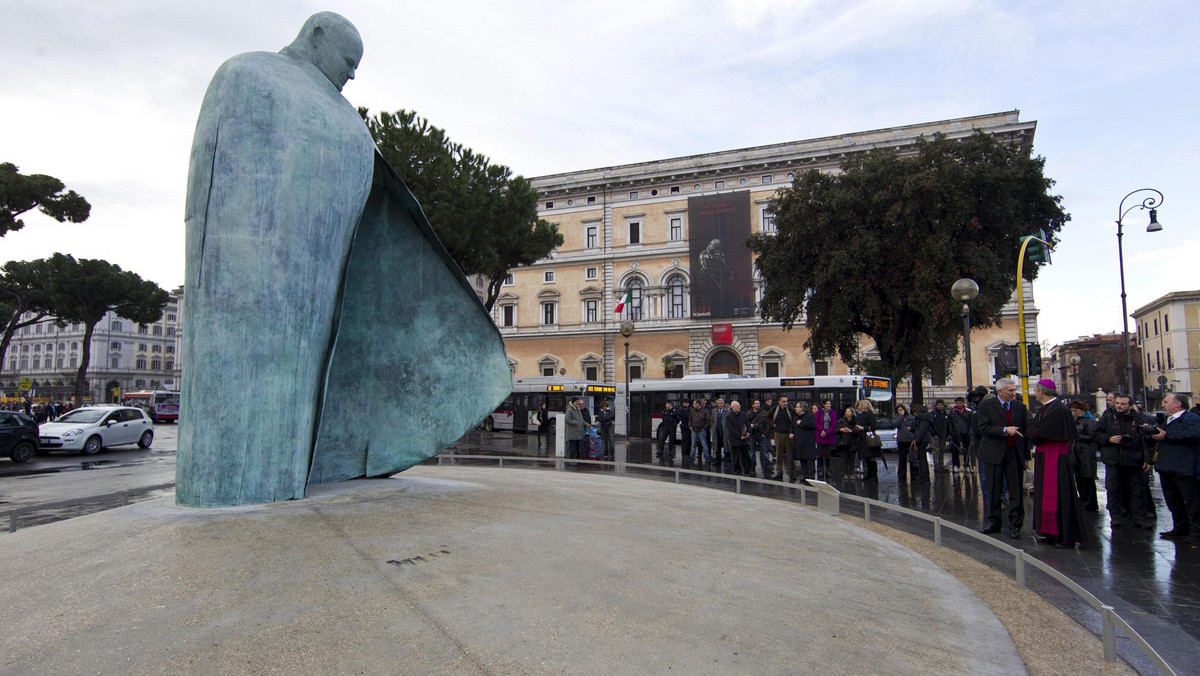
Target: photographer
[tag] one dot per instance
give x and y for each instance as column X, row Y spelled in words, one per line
column 1125, row 453
column 1178, row 445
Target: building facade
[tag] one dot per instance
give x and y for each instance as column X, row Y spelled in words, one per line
column 125, row 356
column 1169, row 332
column 667, row 237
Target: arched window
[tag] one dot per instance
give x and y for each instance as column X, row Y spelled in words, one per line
column 675, row 300
column 633, row 309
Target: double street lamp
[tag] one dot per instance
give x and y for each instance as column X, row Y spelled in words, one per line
column 1151, row 203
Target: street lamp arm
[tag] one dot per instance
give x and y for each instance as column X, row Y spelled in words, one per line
column 1150, row 202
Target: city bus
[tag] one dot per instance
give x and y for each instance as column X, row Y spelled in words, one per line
column 162, row 406
column 647, row 397
column 518, row 412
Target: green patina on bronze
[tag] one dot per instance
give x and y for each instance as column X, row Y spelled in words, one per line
column 327, row 334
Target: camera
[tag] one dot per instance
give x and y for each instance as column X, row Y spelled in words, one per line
column 1148, row 430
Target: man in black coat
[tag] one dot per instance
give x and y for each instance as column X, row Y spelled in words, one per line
column 735, row 429
column 1002, row 422
column 1178, row 447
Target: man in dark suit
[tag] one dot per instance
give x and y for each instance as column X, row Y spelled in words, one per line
column 1002, row 422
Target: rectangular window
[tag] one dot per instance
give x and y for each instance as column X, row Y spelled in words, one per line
column 591, row 273
column 635, row 371
column 155, row 365
column 768, row 220
column 1149, row 364
column 591, row 199
column 508, row 315
column 937, row 375
column 12, row 365
column 1157, row 360
column 170, row 366
column 674, row 190
column 1166, row 324
column 772, row 370
column 548, row 277
column 589, row 373
column 633, row 194
column 115, row 346
column 547, row 371
column 116, row 362
column 37, row 328
column 590, row 238
column 170, row 349
column 548, row 313
column 142, row 329
column 719, row 185
column 156, row 348
column 766, row 179
column 549, row 205
column 170, row 330
column 509, row 281
column 1170, row 362
column 170, row 318
column 676, row 229
column 590, row 312
column 1156, row 327
column 140, row 363
column 37, row 363
column 141, row 347
column 74, row 362
column 158, row 330
column 821, row 368
column 59, row 362
column 635, row 232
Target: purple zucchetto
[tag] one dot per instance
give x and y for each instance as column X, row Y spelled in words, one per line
column 1048, row 384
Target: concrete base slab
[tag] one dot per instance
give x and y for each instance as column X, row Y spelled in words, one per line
column 462, row 569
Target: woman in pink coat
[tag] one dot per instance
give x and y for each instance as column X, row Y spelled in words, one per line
column 826, row 429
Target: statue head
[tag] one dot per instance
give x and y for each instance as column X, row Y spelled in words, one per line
column 331, row 43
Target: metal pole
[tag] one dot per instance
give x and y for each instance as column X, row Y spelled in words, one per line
column 966, row 315
column 1124, row 316
column 627, row 435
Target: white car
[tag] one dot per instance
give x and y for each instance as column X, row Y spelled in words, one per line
column 91, row 428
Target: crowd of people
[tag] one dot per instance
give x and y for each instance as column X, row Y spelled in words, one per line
column 994, row 434
column 40, row 412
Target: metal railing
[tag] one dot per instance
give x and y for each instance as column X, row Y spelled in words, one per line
column 828, row 501
column 123, row 496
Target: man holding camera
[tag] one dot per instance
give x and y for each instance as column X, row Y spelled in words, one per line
column 1178, row 444
column 1126, row 453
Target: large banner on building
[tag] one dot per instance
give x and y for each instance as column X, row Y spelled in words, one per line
column 722, row 282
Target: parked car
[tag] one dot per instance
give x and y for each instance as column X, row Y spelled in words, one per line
column 886, row 429
column 18, row 436
column 92, row 428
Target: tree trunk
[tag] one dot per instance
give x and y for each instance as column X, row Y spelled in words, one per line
column 918, row 386
column 494, row 287
column 84, row 359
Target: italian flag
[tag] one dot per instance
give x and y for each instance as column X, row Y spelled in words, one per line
column 624, row 301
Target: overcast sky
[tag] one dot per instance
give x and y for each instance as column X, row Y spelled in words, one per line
column 104, row 95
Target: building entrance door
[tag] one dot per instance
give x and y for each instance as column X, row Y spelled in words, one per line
column 724, row 361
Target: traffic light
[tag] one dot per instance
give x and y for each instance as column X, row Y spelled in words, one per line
column 1006, row 360
column 1036, row 252
column 1033, row 358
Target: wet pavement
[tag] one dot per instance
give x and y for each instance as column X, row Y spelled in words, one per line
column 1153, row 583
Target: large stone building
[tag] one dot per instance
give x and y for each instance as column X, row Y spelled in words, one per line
column 125, row 356
column 1169, row 329
column 670, row 234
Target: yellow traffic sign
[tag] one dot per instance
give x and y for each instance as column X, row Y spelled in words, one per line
column 26, row 384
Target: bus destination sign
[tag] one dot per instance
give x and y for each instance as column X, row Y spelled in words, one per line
column 554, row 388
column 876, row 383
column 601, row 389
column 795, row 382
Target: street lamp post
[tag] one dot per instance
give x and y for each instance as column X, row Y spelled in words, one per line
column 1074, row 360
column 966, row 290
column 1152, row 203
column 626, row 331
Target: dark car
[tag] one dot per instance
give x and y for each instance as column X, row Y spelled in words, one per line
column 18, row 436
